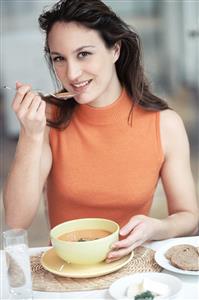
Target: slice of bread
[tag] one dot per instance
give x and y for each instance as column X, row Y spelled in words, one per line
column 173, row 249
column 185, row 257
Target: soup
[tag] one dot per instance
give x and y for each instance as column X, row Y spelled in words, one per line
column 84, row 235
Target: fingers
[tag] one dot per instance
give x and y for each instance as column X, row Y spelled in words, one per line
column 130, row 240
column 26, row 100
column 42, row 108
column 134, row 231
column 124, row 247
column 18, row 84
column 29, row 105
column 34, row 106
column 138, row 230
column 115, row 255
column 130, row 225
column 30, row 110
column 20, row 94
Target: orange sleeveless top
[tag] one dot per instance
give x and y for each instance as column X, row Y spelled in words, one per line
column 103, row 166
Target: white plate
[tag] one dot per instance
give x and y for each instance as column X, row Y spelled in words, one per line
column 118, row 288
column 165, row 263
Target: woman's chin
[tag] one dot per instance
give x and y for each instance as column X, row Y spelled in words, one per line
column 83, row 99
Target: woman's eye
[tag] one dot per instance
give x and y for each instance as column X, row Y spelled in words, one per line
column 83, row 54
column 57, row 59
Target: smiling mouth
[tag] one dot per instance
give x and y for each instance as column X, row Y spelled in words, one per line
column 81, row 84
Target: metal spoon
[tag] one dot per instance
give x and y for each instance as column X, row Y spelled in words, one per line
column 60, row 96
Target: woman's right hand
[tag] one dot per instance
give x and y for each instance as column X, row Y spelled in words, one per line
column 30, row 110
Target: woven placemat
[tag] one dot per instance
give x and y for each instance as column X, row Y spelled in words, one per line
column 142, row 261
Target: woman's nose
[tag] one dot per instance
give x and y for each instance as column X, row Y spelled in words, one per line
column 73, row 71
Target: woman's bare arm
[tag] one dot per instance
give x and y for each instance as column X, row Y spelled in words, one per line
column 32, row 161
column 177, row 179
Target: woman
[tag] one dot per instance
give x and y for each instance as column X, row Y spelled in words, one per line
column 105, row 149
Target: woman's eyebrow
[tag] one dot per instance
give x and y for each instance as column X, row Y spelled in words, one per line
column 55, row 53
column 83, row 47
column 75, row 51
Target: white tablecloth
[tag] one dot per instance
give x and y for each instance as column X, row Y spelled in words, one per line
column 190, row 290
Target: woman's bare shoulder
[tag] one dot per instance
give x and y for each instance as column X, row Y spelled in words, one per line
column 172, row 129
column 170, row 120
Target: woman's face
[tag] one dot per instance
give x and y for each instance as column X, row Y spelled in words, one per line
column 83, row 64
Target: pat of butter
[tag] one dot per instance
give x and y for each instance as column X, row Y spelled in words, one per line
column 134, row 289
column 155, row 287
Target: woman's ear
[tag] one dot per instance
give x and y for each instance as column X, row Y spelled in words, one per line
column 116, row 51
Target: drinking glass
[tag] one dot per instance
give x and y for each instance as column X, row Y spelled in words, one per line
column 15, row 245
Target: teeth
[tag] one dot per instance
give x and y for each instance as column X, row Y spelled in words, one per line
column 81, row 84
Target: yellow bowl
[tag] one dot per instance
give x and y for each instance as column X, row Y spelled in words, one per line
column 86, row 252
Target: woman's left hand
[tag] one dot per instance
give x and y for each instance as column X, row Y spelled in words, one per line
column 138, row 230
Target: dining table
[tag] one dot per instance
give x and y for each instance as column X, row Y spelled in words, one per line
column 189, row 291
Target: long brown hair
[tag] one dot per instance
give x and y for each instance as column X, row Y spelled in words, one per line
column 94, row 14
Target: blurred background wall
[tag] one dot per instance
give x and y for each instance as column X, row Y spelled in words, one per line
column 169, row 31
